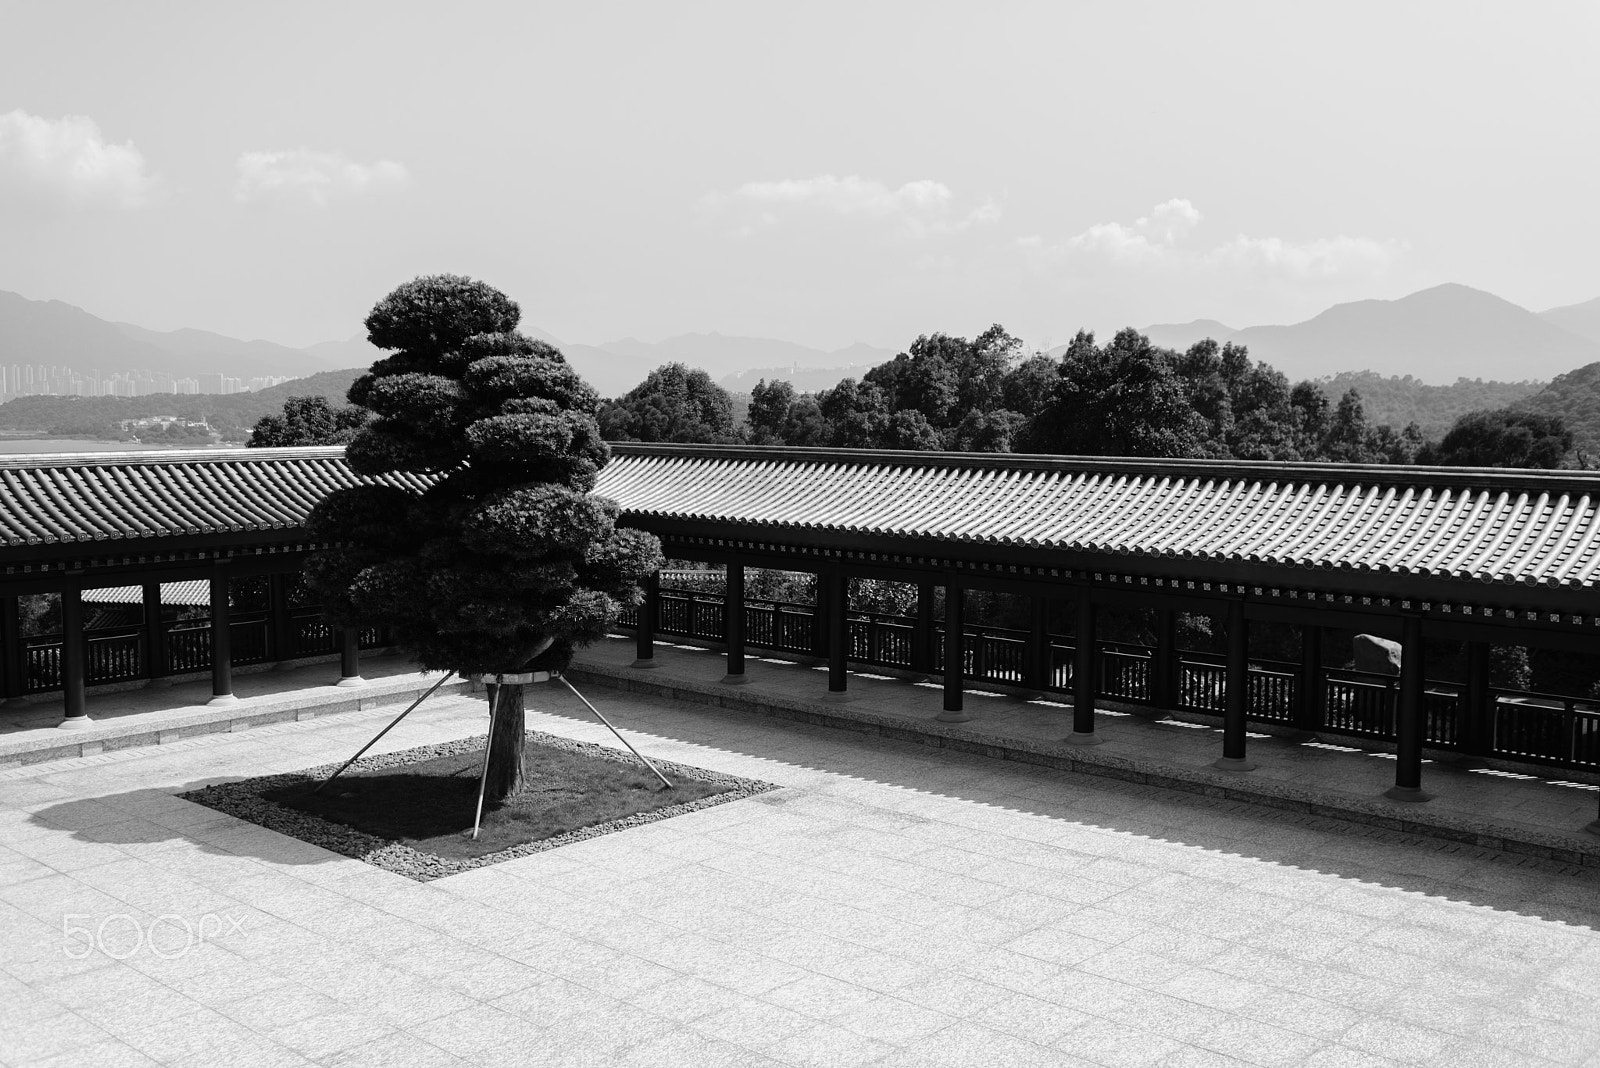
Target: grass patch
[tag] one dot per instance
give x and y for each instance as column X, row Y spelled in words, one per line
column 410, row 812
column 429, row 805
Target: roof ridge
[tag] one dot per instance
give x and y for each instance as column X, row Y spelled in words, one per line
column 1199, row 470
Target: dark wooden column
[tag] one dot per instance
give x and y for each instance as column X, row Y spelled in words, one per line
column 1477, row 705
column 821, row 614
column 836, row 624
column 221, row 639
column 733, row 623
column 1409, row 724
column 1238, row 693
column 645, row 633
column 155, row 636
column 1164, row 664
column 1311, row 689
column 350, row 657
column 74, row 652
column 280, row 625
column 13, row 680
column 1085, row 683
column 1038, row 661
column 923, row 635
column 955, row 603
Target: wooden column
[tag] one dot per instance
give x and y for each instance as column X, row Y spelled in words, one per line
column 645, row 633
column 1311, row 689
column 1038, row 662
column 1409, row 722
column 820, row 615
column 1164, row 665
column 954, row 659
column 1085, row 683
column 280, row 626
column 350, row 657
column 923, row 633
column 1238, row 683
column 155, row 637
column 13, row 680
column 1477, row 704
column 221, row 639
column 733, row 624
column 836, row 624
column 73, row 654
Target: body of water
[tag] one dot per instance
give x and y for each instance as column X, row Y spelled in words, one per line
column 38, row 446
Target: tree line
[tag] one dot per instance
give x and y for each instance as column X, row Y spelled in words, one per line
column 1125, row 397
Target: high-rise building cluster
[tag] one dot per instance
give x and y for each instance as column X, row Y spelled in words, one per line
column 21, row 380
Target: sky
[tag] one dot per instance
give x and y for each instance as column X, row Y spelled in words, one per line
column 822, row 172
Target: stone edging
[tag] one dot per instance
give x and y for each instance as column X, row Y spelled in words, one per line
column 1490, row 834
column 205, row 719
column 242, row 799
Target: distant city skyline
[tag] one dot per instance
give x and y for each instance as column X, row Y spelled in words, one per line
column 828, row 175
column 27, row 379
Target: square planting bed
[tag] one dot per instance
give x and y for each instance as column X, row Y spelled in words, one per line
column 411, row 812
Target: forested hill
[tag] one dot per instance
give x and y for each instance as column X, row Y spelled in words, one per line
column 1575, row 397
column 1398, row 400
column 100, row 417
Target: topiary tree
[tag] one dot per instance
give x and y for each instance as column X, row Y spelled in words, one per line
column 484, row 552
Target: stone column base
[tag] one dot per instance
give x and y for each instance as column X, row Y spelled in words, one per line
column 350, row 681
column 1409, row 794
column 75, row 723
column 1084, row 738
column 735, row 680
column 1233, row 764
column 223, row 699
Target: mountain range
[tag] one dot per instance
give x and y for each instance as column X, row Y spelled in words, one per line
column 1440, row 334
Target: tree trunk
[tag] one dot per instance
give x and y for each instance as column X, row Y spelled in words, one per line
column 507, row 743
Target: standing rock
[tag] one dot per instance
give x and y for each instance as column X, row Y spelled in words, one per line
column 1380, row 656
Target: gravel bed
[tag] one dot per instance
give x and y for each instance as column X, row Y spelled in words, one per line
column 243, row 799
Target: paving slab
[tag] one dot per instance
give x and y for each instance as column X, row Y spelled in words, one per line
column 891, row 904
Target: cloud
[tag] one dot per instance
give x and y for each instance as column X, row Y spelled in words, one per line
column 1322, row 258
column 67, row 160
column 1158, row 241
column 922, row 208
column 312, row 177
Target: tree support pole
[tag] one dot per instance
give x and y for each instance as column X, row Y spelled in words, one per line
column 666, row 782
column 1238, row 692
column 1084, row 648
column 392, row 724
column 1409, row 726
column 488, row 747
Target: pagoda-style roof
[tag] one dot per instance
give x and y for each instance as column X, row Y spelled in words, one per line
column 1489, row 525
column 1496, row 526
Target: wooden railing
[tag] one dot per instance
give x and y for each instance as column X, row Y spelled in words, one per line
column 1546, row 728
column 1526, row 726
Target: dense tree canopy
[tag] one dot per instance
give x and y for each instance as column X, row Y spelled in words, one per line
column 506, row 563
column 308, row 421
column 673, row 403
column 1503, row 438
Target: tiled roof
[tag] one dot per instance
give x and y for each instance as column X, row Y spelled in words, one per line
column 190, row 593
column 47, row 500
column 1538, row 528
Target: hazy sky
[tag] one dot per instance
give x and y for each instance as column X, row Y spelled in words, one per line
column 820, row 172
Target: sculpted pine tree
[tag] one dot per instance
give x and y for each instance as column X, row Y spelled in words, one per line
column 495, row 558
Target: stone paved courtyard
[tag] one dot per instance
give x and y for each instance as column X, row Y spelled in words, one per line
column 891, row 905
